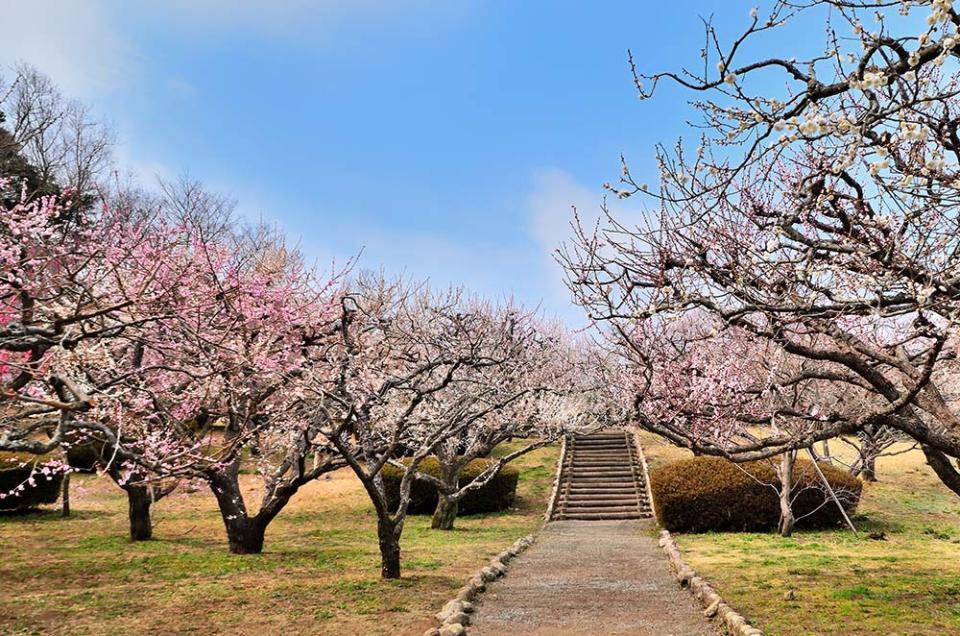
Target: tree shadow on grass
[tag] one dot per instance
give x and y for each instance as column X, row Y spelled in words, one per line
column 49, row 515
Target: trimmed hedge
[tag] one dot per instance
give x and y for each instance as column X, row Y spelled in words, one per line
column 711, row 494
column 84, row 458
column 45, row 489
column 496, row 495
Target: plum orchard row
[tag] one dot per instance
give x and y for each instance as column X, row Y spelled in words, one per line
column 174, row 347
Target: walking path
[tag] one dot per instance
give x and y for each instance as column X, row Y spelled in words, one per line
column 596, row 568
column 590, row 578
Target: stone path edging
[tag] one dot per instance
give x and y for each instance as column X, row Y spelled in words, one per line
column 556, row 480
column 714, row 605
column 455, row 615
column 646, row 471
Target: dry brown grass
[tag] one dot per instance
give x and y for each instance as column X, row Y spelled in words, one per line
column 319, row 573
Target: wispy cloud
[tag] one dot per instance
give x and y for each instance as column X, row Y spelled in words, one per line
column 282, row 17
column 75, row 42
column 550, row 204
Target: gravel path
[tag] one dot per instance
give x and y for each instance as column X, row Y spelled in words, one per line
column 590, row 578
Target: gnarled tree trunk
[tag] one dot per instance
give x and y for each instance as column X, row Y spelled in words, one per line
column 943, row 466
column 245, row 534
column 785, row 474
column 139, row 501
column 446, row 512
column 447, row 505
column 389, row 549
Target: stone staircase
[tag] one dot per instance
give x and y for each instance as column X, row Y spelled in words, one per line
column 601, row 478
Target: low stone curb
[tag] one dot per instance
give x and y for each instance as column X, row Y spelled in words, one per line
column 714, row 605
column 635, row 436
column 555, row 493
column 455, row 615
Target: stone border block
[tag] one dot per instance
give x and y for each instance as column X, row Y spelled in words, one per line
column 714, row 606
column 455, row 615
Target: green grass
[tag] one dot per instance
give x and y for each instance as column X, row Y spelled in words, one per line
column 844, row 583
column 319, row 573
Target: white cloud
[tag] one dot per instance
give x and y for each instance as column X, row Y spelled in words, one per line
column 75, row 42
column 553, row 198
column 286, row 17
column 550, row 206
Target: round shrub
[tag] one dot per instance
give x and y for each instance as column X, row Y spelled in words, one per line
column 710, row 493
column 496, row 495
column 84, row 458
column 26, row 486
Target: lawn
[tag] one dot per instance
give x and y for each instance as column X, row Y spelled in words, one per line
column 841, row 583
column 319, row 573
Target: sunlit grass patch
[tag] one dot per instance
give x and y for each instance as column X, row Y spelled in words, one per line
column 843, row 583
column 319, row 572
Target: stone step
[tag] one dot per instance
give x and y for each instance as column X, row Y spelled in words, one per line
column 613, row 435
column 610, row 494
column 602, row 494
column 601, row 479
column 601, row 516
column 578, row 467
column 625, row 467
column 600, row 445
column 582, row 467
column 585, row 510
column 626, row 490
column 605, row 499
column 626, row 460
column 615, row 456
column 600, row 448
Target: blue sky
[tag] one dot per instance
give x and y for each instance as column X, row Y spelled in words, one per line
column 446, row 139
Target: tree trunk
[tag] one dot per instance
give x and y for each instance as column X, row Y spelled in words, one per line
column 869, row 450
column 389, row 550
column 869, row 470
column 827, row 457
column 65, row 495
column 245, row 535
column 445, row 514
column 943, row 466
column 139, row 501
column 785, row 473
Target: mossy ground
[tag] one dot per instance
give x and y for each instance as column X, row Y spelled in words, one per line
column 319, row 573
column 842, row 583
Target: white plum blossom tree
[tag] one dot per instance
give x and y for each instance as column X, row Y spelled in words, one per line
column 817, row 221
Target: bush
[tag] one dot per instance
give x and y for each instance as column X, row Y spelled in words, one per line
column 84, row 458
column 16, row 479
column 496, row 495
column 710, row 493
